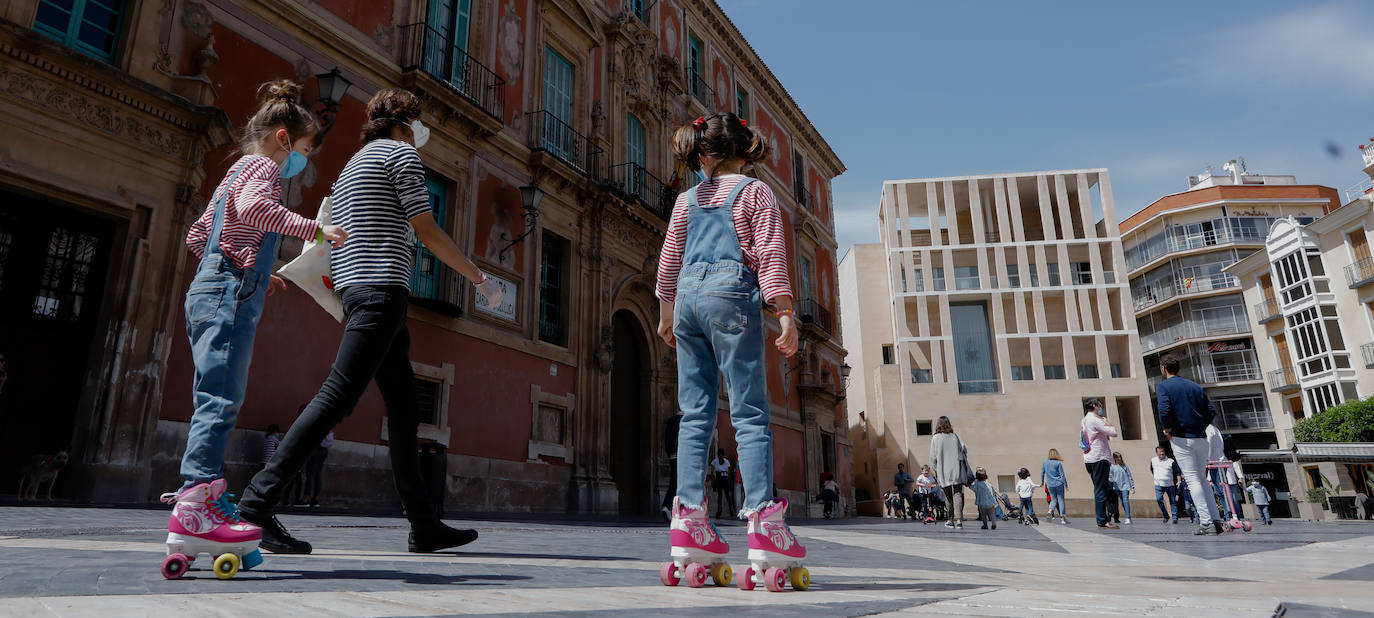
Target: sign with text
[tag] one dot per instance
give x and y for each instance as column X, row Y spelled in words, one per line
column 509, row 291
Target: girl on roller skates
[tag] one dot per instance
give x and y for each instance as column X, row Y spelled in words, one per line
column 725, row 252
column 236, row 241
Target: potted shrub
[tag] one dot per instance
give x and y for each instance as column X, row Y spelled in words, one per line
column 1313, row 508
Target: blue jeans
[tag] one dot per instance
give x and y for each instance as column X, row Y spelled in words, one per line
column 1219, row 492
column 718, row 323
column 1125, row 497
column 1028, row 507
column 1057, row 499
column 1264, row 513
column 1170, row 491
column 223, row 306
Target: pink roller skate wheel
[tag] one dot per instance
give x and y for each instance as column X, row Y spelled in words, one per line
column 696, row 575
column 1247, row 526
column 775, row 579
column 174, row 566
column 747, row 581
column 1235, row 523
column 668, row 574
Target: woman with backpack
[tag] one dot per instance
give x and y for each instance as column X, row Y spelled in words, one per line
column 949, row 460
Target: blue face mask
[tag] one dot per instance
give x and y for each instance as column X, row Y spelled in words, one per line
column 295, row 164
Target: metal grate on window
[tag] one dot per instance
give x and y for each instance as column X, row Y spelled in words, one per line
column 427, row 400
column 66, row 271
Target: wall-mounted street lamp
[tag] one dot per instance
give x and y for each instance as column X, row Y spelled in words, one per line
column 530, row 196
column 333, row 86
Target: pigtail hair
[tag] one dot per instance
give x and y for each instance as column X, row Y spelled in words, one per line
column 687, row 146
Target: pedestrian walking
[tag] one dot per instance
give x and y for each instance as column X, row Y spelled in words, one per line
column 382, row 201
column 829, row 495
column 949, row 460
column 723, row 255
column 670, row 429
column 723, row 482
column 984, row 498
column 1025, row 489
column 270, row 440
column 902, row 481
column 1184, row 414
column 1056, row 483
column 314, row 471
column 1260, row 496
column 1218, row 469
column 1166, row 475
column 1123, row 484
column 1095, row 440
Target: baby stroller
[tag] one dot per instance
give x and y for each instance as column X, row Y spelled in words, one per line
column 1236, row 522
column 1009, row 511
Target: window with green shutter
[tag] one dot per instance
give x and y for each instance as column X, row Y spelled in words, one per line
column 88, row 26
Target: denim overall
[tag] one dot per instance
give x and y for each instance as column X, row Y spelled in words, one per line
column 718, row 322
column 223, row 306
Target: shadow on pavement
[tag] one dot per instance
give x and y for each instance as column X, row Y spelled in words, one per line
column 386, row 575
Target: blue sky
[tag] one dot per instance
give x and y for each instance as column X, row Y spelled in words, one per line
column 1153, row 91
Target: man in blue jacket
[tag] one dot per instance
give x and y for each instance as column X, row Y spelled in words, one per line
column 1184, row 414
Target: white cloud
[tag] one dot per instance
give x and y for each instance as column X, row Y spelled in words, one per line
column 1327, row 46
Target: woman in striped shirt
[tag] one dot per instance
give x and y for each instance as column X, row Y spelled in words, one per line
column 379, row 198
column 236, row 241
column 724, row 253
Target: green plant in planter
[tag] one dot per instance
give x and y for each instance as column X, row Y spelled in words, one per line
column 1317, row 495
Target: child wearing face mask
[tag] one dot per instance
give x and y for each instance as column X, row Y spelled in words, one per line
column 236, row 241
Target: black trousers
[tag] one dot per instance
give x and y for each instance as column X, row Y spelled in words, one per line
column 314, row 473
column 725, row 494
column 1101, row 472
column 375, row 346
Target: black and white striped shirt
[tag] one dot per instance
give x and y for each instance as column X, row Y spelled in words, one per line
column 380, row 190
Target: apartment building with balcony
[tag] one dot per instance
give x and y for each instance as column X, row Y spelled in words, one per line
column 549, row 163
column 1186, row 304
column 994, row 300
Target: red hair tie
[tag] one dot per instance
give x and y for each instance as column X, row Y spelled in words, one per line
column 699, row 123
column 743, row 123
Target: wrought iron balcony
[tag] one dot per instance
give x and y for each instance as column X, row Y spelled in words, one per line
column 1360, row 273
column 813, row 313
column 428, row 50
column 1267, row 310
column 804, row 197
column 700, row 89
column 556, row 137
column 1283, row 380
column 635, row 182
column 435, row 285
column 1368, row 351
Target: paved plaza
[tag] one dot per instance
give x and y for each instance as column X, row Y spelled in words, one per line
column 93, row 561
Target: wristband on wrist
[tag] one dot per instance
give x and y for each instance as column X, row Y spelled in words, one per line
column 319, row 234
column 783, row 312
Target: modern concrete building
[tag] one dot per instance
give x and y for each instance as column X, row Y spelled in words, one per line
column 1312, row 287
column 993, row 300
column 1186, row 306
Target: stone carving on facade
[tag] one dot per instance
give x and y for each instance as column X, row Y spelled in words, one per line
column 605, row 351
column 598, row 120
column 385, row 37
column 197, row 20
column 636, row 75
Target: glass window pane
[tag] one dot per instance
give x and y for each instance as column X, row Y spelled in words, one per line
column 100, row 17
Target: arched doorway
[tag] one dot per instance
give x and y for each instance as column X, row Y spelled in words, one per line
column 630, row 412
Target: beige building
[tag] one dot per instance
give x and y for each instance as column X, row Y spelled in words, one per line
column 993, row 300
column 1185, row 305
column 1313, row 290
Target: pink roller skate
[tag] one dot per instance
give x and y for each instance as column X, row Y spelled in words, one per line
column 206, row 521
column 697, row 551
column 775, row 555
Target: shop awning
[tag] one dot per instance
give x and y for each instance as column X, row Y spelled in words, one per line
column 1314, row 452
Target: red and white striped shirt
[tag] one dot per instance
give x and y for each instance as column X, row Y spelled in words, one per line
column 758, row 226
column 254, row 208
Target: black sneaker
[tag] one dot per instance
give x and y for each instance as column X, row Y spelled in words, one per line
column 429, row 538
column 1205, row 531
column 275, row 538
column 1221, row 528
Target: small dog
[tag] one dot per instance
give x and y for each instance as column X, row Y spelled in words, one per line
column 41, row 469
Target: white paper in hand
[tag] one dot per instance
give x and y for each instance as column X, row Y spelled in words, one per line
column 311, row 271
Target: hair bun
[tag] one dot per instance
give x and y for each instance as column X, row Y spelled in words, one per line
column 281, row 90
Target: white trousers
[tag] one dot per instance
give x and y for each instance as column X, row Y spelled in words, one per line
column 1191, row 455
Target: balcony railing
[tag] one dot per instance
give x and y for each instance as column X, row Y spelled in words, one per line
column 559, row 139
column 700, row 88
column 1281, row 380
column 1267, row 310
column 1360, row 273
column 635, row 182
column 812, row 312
column 1368, row 351
column 1241, row 419
column 434, row 285
column 1193, row 329
column 1235, row 372
column 1150, row 296
column 430, row 51
column 1173, row 243
column 804, row 197
column 1360, row 190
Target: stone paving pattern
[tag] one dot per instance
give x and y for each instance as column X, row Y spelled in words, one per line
column 96, row 561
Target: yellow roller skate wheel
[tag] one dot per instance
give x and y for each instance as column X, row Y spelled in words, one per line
column 801, row 578
column 722, row 574
column 226, row 566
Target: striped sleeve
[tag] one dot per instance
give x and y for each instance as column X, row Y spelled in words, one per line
column 407, row 174
column 769, row 241
column 257, row 200
column 670, row 258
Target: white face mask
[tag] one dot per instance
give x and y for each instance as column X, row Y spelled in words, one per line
column 421, row 133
